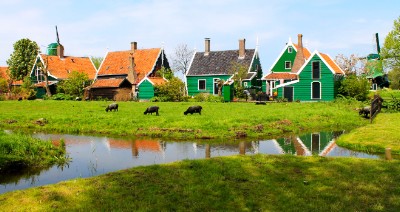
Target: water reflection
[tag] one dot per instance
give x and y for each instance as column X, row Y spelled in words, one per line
column 93, row 156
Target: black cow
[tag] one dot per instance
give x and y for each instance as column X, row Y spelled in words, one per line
column 365, row 111
column 151, row 110
column 193, row 109
column 111, row 107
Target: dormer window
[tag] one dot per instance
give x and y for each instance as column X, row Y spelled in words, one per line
column 288, row 64
column 290, row 49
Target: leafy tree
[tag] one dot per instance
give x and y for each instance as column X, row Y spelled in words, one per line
column 355, row 86
column 97, row 61
column 181, row 59
column 173, row 90
column 165, row 72
column 350, row 65
column 391, row 54
column 239, row 72
column 75, row 83
column 22, row 59
column 27, row 88
column 220, row 84
column 3, row 86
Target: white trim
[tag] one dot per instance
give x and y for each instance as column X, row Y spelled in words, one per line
column 205, row 85
column 290, row 49
column 319, row 141
column 191, row 63
column 327, row 64
column 213, row 93
column 312, row 70
column 281, row 54
column 277, row 146
column 155, row 63
column 207, row 75
column 290, row 64
column 328, row 148
column 306, row 150
column 101, row 64
column 288, row 83
column 312, row 90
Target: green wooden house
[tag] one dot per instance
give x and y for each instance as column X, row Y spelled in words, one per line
column 209, row 67
column 138, row 66
column 59, row 68
column 308, row 78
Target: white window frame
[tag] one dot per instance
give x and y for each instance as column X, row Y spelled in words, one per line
column 244, row 84
column 290, row 49
column 198, row 84
column 290, row 65
column 320, row 90
column 214, row 85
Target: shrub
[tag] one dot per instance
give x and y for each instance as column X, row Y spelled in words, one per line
column 355, row 86
column 61, row 96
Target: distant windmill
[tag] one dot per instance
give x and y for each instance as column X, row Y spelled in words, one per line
column 375, row 68
column 60, row 48
column 58, row 38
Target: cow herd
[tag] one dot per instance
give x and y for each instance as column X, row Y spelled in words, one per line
column 154, row 109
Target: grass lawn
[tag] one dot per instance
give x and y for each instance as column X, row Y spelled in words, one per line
column 238, row 183
column 376, row 137
column 217, row 121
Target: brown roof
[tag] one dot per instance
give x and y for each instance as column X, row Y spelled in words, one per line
column 284, row 75
column 107, row 83
column 4, row 74
column 148, row 145
column 306, row 52
column 118, row 63
column 157, row 80
column 332, row 64
column 43, row 84
column 62, row 67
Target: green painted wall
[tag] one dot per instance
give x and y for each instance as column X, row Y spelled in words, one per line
column 146, row 90
column 192, row 83
column 280, row 65
column 316, row 146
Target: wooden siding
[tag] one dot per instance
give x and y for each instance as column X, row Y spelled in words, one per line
column 146, row 90
column 192, row 82
column 280, row 64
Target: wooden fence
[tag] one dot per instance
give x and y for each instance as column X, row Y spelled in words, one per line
column 376, row 106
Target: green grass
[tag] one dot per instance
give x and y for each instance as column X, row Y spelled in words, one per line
column 19, row 151
column 376, row 137
column 238, row 183
column 218, row 120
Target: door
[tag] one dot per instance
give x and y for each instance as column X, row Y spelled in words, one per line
column 316, row 90
column 288, row 93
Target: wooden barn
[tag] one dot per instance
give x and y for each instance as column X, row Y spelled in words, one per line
column 298, row 75
column 209, row 67
column 128, row 70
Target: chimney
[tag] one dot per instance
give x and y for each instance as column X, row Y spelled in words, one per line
column 133, row 46
column 207, row 46
column 60, row 51
column 299, row 60
column 242, row 48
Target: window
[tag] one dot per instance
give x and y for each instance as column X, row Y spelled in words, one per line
column 245, row 84
column 290, row 49
column 216, row 86
column 316, row 70
column 316, row 90
column 202, row 84
column 288, row 64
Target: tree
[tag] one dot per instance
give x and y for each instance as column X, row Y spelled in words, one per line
column 75, row 83
column 165, row 72
column 350, row 65
column 355, row 86
column 239, row 72
column 181, row 59
column 173, row 90
column 97, row 61
column 27, row 88
column 391, row 54
column 220, row 84
column 44, row 69
column 22, row 59
column 3, row 86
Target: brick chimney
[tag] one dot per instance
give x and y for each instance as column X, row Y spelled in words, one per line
column 299, row 60
column 60, row 51
column 242, row 48
column 133, row 46
column 206, row 46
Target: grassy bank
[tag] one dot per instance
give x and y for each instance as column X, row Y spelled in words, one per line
column 240, row 183
column 382, row 133
column 218, row 120
column 18, row 151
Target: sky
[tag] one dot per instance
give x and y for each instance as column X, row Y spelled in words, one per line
column 94, row 27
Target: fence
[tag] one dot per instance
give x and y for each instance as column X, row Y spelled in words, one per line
column 376, row 106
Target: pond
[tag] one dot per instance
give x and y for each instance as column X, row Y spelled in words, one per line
column 91, row 155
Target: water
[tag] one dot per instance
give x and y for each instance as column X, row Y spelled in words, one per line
column 93, row 155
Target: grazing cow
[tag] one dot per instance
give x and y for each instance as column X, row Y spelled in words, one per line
column 111, row 107
column 365, row 111
column 193, row 109
column 151, row 110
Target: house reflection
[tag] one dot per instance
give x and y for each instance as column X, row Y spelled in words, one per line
column 138, row 146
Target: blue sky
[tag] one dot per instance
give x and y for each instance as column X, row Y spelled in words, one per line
column 93, row 27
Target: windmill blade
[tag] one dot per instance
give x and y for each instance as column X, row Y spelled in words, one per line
column 58, row 38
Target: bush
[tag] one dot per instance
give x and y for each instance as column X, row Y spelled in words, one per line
column 355, row 86
column 61, row 96
column 171, row 91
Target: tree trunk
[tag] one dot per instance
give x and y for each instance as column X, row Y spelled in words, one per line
column 48, row 93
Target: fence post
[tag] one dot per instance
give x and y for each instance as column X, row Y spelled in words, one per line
column 388, row 154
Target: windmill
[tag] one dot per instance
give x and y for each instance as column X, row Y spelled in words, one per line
column 374, row 68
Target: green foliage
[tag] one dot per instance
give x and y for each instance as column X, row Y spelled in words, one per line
column 165, row 73
column 28, row 89
column 75, row 84
column 239, row 72
column 239, row 91
column 3, row 86
column 355, row 86
column 206, row 97
column 390, row 53
column 171, row 91
column 394, row 78
column 97, row 61
column 22, row 59
column 61, row 96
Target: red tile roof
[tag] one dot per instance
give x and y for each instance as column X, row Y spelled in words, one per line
column 107, row 83
column 148, row 145
column 157, row 80
column 62, row 67
column 4, row 74
column 284, row 75
column 43, row 84
column 117, row 63
column 306, row 52
column 332, row 64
